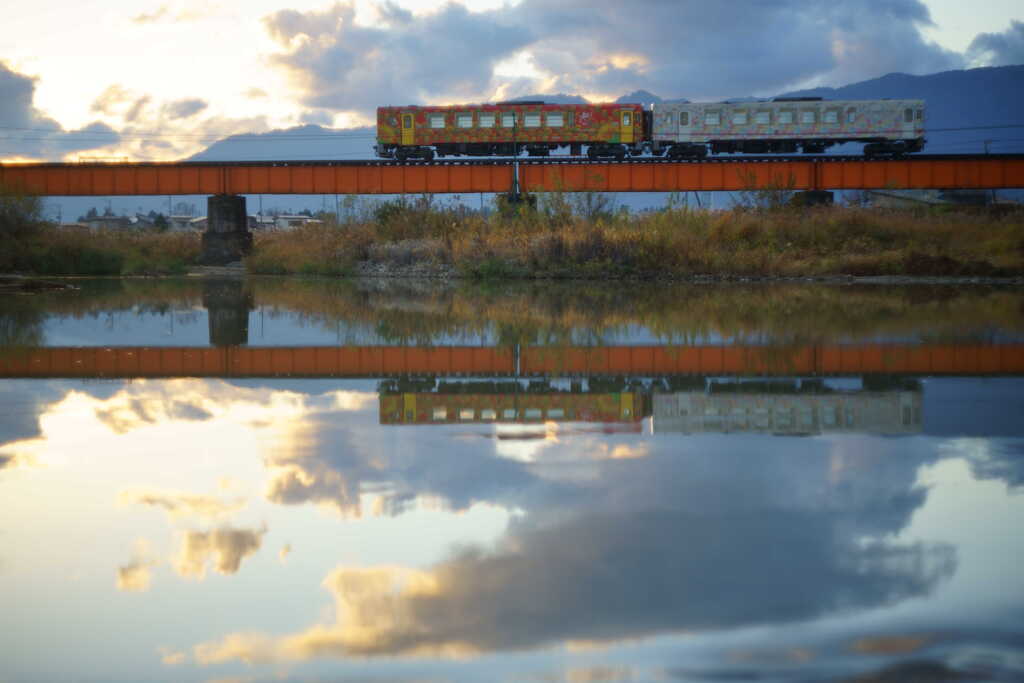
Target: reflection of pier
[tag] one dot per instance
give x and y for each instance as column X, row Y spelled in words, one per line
column 523, row 361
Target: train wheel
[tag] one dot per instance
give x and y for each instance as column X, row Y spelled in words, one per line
column 428, row 155
column 400, row 154
column 620, row 153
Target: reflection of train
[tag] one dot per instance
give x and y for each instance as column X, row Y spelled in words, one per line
column 506, row 402
column 748, row 407
column 676, row 130
column 695, row 404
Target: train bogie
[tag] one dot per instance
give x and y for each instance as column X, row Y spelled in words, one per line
column 506, row 129
column 787, row 125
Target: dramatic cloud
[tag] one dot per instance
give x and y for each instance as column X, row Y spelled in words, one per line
column 696, row 50
column 226, row 547
column 154, row 129
column 27, row 132
column 998, row 49
column 179, row 504
column 343, row 66
column 695, row 541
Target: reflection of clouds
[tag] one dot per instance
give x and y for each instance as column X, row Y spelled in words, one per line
column 226, row 546
column 181, row 504
column 698, row 540
column 890, row 645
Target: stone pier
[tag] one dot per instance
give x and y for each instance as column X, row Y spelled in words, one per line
column 227, row 238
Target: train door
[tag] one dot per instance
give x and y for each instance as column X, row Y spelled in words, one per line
column 408, row 128
column 626, row 132
column 685, row 126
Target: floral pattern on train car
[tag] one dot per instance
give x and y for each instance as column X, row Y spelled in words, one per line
column 489, row 123
column 824, row 119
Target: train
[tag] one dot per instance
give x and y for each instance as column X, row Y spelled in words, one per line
column 692, row 130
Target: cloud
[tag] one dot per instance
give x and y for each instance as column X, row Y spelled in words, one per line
column 171, row 657
column 27, row 132
column 166, row 14
column 163, row 129
column 665, row 549
column 226, row 547
column 183, row 109
column 998, row 49
column 343, row 66
column 134, row 577
column 137, row 574
column 697, row 50
column 180, row 504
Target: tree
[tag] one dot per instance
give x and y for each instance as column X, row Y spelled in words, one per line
column 160, row 222
column 20, row 214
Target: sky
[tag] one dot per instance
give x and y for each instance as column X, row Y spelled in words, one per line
column 161, row 79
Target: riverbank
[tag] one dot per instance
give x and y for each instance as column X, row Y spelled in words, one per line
column 417, row 240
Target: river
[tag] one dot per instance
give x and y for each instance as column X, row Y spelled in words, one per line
column 300, row 479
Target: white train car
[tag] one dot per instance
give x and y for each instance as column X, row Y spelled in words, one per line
column 787, row 125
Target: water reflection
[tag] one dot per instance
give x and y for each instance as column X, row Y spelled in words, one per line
column 539, row 513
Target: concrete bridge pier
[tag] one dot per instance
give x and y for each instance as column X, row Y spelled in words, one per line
column 227, row 238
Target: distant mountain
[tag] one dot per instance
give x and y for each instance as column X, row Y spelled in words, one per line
column 963, row 108
column 294, row 144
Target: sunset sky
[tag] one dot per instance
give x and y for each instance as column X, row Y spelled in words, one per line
column 159, row 80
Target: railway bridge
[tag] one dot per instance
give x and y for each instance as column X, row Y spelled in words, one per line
column 227, row 182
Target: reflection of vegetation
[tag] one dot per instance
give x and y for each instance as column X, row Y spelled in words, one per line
column 593, row 314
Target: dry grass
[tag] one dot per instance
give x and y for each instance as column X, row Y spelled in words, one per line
column 68, row 251
column 555, row 243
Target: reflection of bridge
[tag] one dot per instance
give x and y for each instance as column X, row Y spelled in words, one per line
column 522, row 361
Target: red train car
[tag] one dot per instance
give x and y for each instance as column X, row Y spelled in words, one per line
column 509, row 128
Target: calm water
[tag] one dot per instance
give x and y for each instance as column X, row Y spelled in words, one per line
column 302, row 480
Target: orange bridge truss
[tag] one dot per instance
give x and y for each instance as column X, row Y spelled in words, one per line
column 381, row 177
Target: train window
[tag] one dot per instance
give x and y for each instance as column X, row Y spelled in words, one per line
column 466, row 413
column 508, row 414
column 533, row 413
column 531, row 119
column 556, row 413
column 762, row 118
column 684, row 118
column 440, row 413
column 785, row 116
column 851, row 115
column 739, row 118
column 464, row 120
column 908, row 115
column 627, row 119
column 831, row 116
column 437, row 120
column 712, row 118
column 508, row 120
column 485, row 120
column 668, row 118
column 555, row 119
column 919, row 114
column 488, row 414
column 808, row 116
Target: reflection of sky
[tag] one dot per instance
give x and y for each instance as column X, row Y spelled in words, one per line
column 179, row 529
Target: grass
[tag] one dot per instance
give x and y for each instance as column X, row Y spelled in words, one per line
column 579, row 236
column 553, row 242
column 50, row 250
